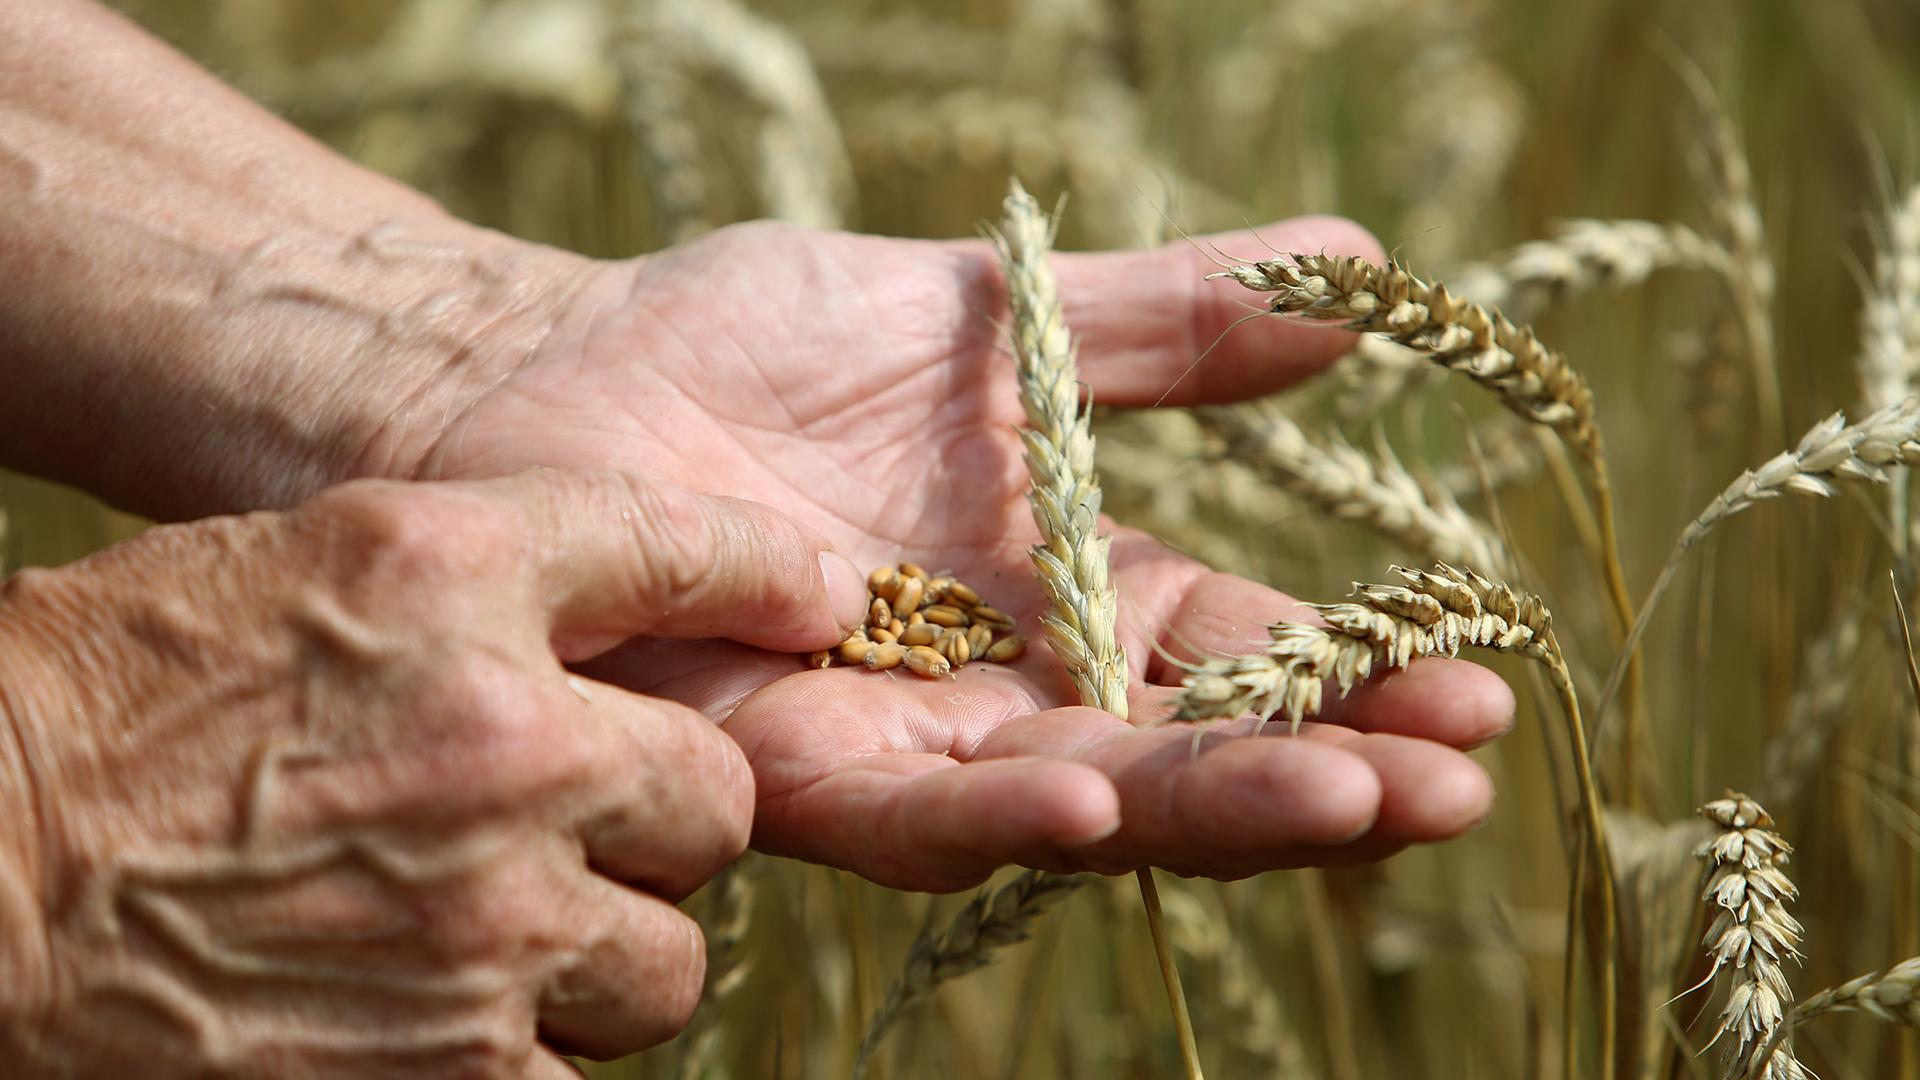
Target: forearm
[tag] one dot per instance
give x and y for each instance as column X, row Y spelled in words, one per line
column 201, row 308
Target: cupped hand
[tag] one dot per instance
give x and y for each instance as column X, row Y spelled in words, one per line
column 858, row 385
column 311, row 793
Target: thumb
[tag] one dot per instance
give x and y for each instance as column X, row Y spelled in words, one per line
column 620, row 556
column 1144, row 317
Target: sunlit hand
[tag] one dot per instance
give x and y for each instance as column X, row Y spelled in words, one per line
column 309, row 794
column 858, row 385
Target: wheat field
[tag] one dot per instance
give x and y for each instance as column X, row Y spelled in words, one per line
column 1645, row 255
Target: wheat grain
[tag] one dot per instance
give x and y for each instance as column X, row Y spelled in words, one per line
column 1750, row 938
column 1340, row 480
column 1583, row 255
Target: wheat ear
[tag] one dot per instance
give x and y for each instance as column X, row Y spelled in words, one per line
column 1830, row 452
column 1580, row 256
column 1736, row 223
column 725, row 928
column 1334, row 477
column 1892, row 995
column 991, row 921
column 1433, row 613
column 1071, row 558
column 1529, row 378
column 1751, row 937
column 1890, row 337
column 1071, row 562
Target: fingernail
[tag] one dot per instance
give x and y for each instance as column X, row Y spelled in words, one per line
column 846, row 590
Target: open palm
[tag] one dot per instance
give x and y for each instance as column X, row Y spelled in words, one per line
column 858, row 385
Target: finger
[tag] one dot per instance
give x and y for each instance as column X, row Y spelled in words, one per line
column 925, row 821
column 620, row 556
column 1429, row 792
column 1193, row 613
column 1144, row 317
column 670, row 797
column 636, row 978
column 1238, row 805
column 546, row 1065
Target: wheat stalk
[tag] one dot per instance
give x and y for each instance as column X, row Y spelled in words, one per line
column 1583, row 255
column 1340, row 480
column 1750, row 938
column 1830, row 452
column 1381, row 627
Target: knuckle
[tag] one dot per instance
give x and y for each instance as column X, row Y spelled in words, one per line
column 676, row 541
column 501, row 726
column 407, row 533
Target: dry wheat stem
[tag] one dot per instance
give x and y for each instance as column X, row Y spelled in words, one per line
column 1830, row 452
column 1580, row 256
column 1336, row 478
column 1532, row 380
column 1381, row 627
column 1750, row 938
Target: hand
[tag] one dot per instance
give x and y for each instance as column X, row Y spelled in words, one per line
column 855, row 383
column 312, row 795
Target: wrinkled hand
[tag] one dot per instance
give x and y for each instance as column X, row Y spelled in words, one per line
column 311, row 794
column 855, row 383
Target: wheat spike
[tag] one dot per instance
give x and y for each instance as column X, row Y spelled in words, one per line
column 1892, row 995
column 1734, row 216
column 1751, row 937
column 1890, row 312
column 1071, row 558
column 1528, row 377
column 1334, row 477
column 1435, row 613
column 654, row 93
column 1830, row 452
column 991, row 921
column 725, row 928
column 1583, row 255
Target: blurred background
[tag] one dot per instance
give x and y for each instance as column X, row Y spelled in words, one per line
column 1454, row 131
